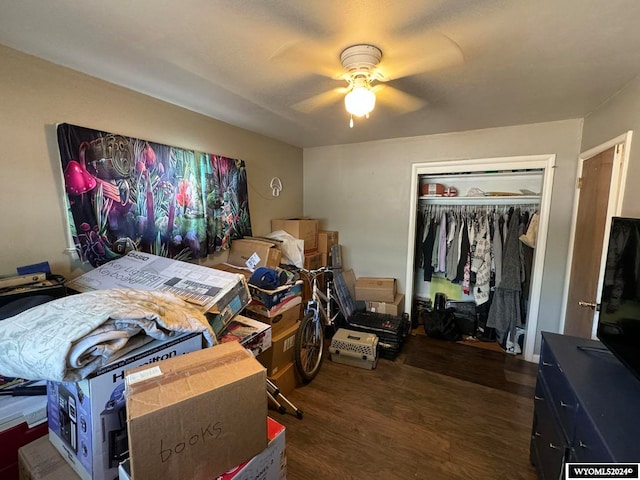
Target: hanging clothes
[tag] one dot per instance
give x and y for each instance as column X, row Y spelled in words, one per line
column 436, row 246
column 505, row 313
column 465, row 248
column 442, row 244
column 481, row 264
column 496, row 244
column 453, row 247
column 427, row 250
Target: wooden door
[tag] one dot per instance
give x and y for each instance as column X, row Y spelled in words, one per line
column 588, row 243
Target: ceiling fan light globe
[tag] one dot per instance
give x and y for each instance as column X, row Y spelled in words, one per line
column 360, row 101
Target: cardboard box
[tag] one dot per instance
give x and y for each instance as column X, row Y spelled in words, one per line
column 305, row 229
column 274, row 311
column 281, row 352
column 280, row 322
column 254, row 253
column 272, row 298
column 376, row 289
column 213, row 290
column 287, row 379
column 196, row 416
column 392, row 308
column 15, row 438
column 234, row 300
column 39, row 460
column 312, row 261
column 87, row 419
column 251, row 334
column 270, row 464
column 326, row 240
column 227, row 267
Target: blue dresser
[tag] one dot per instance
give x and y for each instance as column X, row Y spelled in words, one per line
column 587, row 407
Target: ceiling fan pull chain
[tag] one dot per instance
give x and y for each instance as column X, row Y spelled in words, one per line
column 351, row 121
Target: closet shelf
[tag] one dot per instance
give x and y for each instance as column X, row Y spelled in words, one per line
column 488, row 200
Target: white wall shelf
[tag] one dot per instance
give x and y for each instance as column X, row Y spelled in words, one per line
column 486, row 200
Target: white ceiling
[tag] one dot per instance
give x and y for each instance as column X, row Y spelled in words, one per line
column 474, row 63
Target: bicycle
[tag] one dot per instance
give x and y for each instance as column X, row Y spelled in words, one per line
column 318, row 315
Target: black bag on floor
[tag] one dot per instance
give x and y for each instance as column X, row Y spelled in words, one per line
column 465, row 316
column 441, row 324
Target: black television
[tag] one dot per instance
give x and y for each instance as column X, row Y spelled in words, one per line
column 619, row 318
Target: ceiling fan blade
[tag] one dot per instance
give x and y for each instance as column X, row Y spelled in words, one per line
column 321, row 100
column 305, row 58
column 420, row 54
column 397, row 99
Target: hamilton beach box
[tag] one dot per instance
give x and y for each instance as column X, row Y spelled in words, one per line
column 87, row 419
column 196, row 416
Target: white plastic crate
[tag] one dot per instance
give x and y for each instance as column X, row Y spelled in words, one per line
column 358, row 349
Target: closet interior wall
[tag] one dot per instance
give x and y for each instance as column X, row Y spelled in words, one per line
column 488, row 213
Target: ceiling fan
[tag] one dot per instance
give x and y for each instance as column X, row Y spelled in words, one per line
column 360, row 62
column 367, row 73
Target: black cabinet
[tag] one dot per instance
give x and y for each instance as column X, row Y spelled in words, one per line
column 587, row 407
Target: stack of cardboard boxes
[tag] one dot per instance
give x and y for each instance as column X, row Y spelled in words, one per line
column 91, row 422
column 304, row 229
column 380, row 295
column 195, row 415
column 281, row 309
column 326, row 240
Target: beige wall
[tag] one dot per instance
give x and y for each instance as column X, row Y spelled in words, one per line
column 618, row 115
column 362, row 191
column 36, row 95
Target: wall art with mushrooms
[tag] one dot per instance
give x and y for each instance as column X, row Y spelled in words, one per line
column 128, row 194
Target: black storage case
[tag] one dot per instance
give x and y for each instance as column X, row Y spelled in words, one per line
column 390, row 330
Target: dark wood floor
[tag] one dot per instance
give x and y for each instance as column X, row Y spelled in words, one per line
column 440, row 410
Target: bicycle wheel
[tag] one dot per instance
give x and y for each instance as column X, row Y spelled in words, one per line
column 309, row 347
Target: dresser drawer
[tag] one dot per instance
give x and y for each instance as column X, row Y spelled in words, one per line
column 562, row 399
column 587, row 444
column 548, row 446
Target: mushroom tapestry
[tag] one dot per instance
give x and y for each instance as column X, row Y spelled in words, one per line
column 128, row 194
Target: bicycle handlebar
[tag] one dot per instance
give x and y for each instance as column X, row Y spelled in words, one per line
column 316, row 270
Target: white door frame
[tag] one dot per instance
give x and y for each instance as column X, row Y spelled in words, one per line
column 614, row 208
column 544, row 162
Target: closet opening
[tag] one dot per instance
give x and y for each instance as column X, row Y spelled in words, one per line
column 477, row 240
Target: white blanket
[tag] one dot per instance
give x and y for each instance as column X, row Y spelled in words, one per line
column 69, row 338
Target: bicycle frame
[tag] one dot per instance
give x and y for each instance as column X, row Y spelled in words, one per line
column 309, row 340
column 317, row 303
